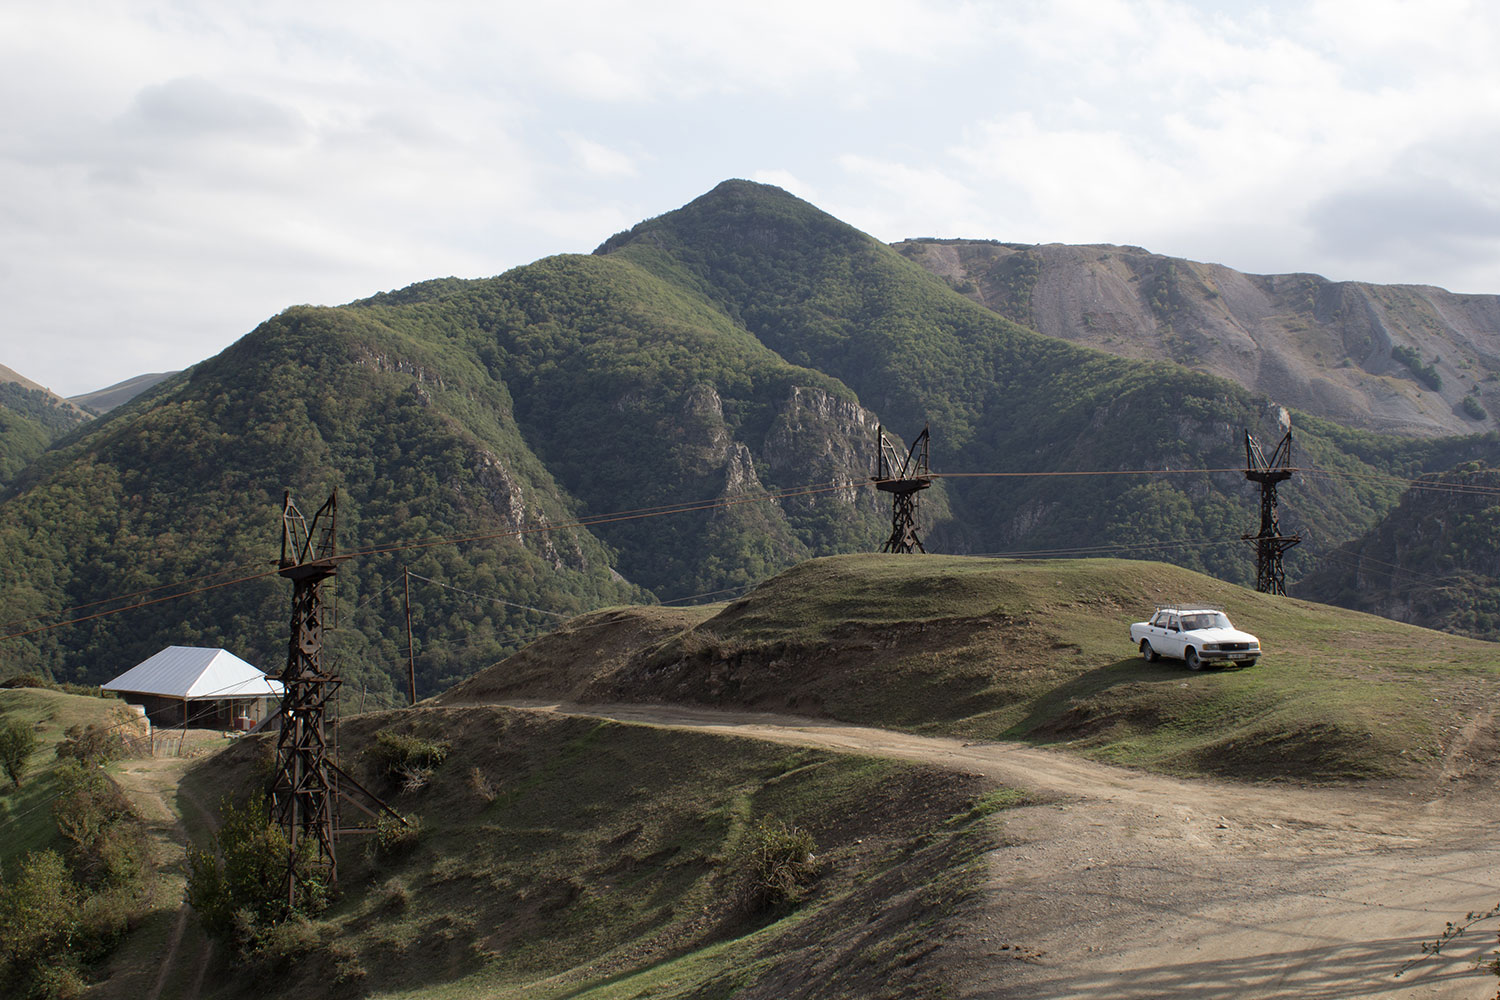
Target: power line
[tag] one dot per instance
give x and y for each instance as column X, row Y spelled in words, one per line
column 142, row 604
column 486, row 597
column 721, row 503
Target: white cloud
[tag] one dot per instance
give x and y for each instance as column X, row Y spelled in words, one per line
column 171, row 174
column 597, row 158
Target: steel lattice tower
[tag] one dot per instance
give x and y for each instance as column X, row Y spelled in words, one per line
column 903, row 479
column 1270, row 543
column 304, row 796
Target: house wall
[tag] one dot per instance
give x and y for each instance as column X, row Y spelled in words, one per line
column 206, row 713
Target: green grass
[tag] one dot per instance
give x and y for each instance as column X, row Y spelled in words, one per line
column 1039, row 650
column 563, row 857
column 26, row 813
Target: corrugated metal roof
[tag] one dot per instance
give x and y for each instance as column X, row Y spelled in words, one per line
column 196, row 672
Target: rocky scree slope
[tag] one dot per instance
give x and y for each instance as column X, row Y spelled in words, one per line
column 1399, row 359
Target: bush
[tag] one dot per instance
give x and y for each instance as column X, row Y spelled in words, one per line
column 92, row 745
column 17, row 741
column 38, row 921
column 239, row 888
column 1425, row 373
column 777, row 866
column 393, row 837
column 407, row 758
column 1472, row 408
column 106, row 841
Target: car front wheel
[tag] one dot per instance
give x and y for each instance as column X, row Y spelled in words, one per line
column 1150, row 654
column 1190, row 657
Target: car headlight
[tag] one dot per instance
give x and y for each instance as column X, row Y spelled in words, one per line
column 1210, row 647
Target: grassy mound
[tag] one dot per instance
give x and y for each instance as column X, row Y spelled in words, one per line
column 564, row 857
column 1039, row 650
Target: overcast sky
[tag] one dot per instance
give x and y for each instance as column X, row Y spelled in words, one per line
column 172, row 174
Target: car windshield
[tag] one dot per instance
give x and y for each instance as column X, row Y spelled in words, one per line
column 1205, row 619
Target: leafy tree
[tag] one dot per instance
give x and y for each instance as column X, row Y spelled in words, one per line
column 39, row 918
column 17, row 742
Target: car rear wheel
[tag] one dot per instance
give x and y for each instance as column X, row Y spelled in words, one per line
column 1150, row 654
column 1190, row 657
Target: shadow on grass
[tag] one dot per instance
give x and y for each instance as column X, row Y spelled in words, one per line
column 1049, row 709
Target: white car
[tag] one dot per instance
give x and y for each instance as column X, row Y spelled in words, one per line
column 1196, row 636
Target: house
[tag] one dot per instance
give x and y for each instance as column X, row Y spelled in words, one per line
column 200, row 687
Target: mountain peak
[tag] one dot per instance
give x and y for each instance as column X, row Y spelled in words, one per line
column 735, row 209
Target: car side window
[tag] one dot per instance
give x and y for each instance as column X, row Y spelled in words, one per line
column 1160, row 621
column 1172, row 623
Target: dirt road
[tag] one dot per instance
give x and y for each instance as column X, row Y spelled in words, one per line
column 169, row 956
column 1126, row 885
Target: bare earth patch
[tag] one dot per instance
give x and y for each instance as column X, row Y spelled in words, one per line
column 1134, row 885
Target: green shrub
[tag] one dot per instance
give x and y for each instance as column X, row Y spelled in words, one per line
column 92, row 744
column 1425, row 373
column 393, row 837
column 1472, row 409
column 17, row 741
column 239, row 888
column 106, row 842
column 407, row 758
column 777, row 866
column 39, row 914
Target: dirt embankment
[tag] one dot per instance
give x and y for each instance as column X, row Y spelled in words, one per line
column 1130, row 885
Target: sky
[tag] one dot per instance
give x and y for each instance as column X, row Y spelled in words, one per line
column 174, row 173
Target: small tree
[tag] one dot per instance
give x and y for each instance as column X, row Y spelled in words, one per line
column 17, row 742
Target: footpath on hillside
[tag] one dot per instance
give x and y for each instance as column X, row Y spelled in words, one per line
column 1127, row 885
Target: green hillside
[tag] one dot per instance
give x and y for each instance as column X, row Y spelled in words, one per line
column 1432, row 561
column 1002, row 399
column 1038, row 650
column 26, row 812
column 566, row 857
column 30, row 420
column 742, row 347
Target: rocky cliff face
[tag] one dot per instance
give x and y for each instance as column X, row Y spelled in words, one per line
column 1402, row 359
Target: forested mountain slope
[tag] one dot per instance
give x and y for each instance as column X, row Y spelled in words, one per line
column 31, row 418
column 1433, row 560
column 1004, row 401
column 745, row 345
column 1401, row 359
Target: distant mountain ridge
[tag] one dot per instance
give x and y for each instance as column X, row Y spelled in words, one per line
column 1334, row 349
column 31, row 418
column 106, row 399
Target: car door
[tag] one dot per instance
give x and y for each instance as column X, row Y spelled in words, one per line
column 1171, row 639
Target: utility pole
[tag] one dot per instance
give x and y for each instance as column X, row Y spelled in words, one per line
column 411, row 656
column 1270, row 543
column 903, row 479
